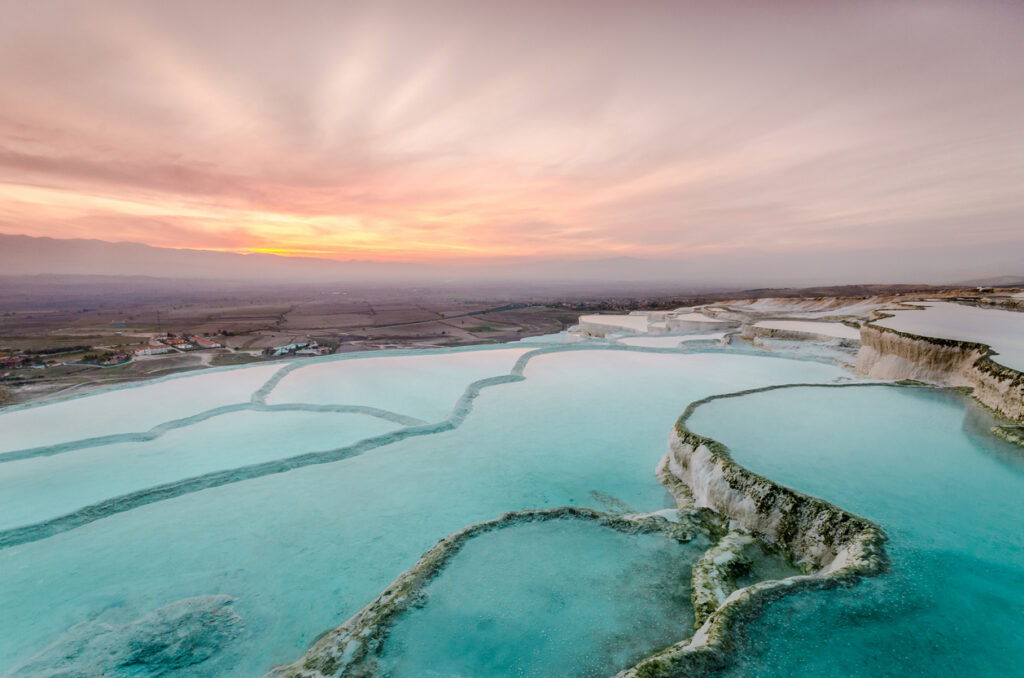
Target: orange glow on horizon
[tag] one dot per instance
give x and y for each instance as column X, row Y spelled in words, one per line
column 513, row 131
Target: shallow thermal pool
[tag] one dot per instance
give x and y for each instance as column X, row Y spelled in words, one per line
column 425, row 385
column 129, row 410
column 262, row 528
column 1002, row 330
column 43, row 487
column 558, row 598
column 949, row 495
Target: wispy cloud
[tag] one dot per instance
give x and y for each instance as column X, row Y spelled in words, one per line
column 460, row 129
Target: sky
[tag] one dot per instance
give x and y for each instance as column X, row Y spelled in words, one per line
column 456, row 132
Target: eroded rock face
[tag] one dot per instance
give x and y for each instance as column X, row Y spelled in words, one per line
column 890, row 354
column 752, row 332
column 714, row 576
column 832, row 545
column 181, row 634
column 816, row 533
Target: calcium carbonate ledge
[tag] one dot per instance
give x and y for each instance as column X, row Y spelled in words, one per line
column 715, row 575
column 287, row 366
column 142, row 497
column 175, row 424
column 887, row 353
column 352, row 648
column 751, row 332
column 257, row 401
column 834, row 546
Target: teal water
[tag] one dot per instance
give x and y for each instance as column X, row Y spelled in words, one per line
column 559, row 598
column 424, row 385
column 42, row 487
column 301, row 551
column 949, row 495
column 126, row 410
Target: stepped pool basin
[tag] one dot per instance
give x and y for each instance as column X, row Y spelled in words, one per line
column 424, row 385
column 43, row 487
column 121, row 411
column 565, row 598
column 221, row 536
column 922, row 464
column 283, row 549
column 1002, row 330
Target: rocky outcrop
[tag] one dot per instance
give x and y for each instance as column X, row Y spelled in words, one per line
column 891, row 354
column 714, row 576
column 817, row 534
column 835, row 546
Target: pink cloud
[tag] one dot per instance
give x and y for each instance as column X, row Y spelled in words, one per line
column 481, row 129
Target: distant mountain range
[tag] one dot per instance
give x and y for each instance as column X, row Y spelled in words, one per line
column 22, row 255
column 27, row 255
column 998, row 281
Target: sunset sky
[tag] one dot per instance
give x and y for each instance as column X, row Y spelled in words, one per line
column 437, row 131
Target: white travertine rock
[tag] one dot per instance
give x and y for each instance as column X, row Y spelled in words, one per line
column 890, row 354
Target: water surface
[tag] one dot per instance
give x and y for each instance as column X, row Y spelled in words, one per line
column 949, row 495
column 301, row 551
column 558, row 598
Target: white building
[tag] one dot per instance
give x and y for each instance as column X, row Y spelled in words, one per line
column 153, row 349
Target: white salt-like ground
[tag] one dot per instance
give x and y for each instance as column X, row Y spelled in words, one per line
column 1002, row 330
column 669, row 342
column 700, row 318
column 812, row 308
column 634, row 323
column 131, row 409
column 838, row 330
column 425, row 386
column 557, row 338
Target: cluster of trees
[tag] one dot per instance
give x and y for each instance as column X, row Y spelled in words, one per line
column 100, row 358
column 55, row 351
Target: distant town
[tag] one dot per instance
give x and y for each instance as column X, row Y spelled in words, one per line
column 102, row 332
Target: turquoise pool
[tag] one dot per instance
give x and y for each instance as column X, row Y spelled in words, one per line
column 276, row 525
column 951, row 497
column 564, row 597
